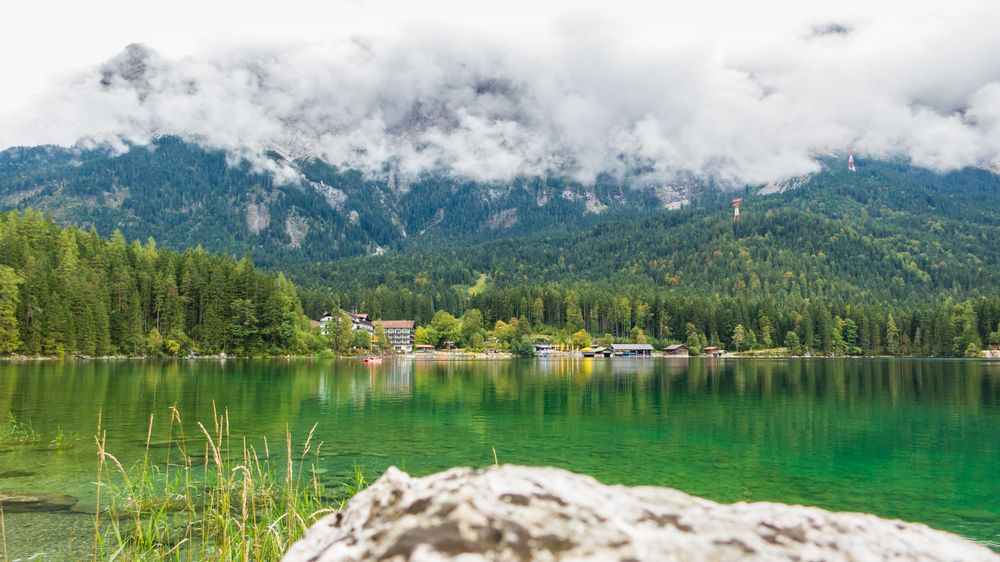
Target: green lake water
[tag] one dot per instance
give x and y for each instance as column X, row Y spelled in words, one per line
column 911, row 439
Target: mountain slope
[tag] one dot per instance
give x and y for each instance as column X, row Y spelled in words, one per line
column 889, row 232
column 184, row 195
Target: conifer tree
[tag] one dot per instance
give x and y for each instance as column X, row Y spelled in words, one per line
column 10, row 338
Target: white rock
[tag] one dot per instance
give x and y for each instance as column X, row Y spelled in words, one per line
column 520, row 513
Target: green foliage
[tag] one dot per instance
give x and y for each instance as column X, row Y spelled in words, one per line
column 523, row 347
column 696, row 340
column 423, row 336
column 581, row 339
column 471, row 325
column 342, row 332
column 362, row 340
column 477, row 342
column 637, row 335
column 382, row 338
column 792, row 343
column 446, row 327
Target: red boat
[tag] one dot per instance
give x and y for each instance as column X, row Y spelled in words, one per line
column 372, row 360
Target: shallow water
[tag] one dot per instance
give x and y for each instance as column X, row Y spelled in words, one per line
column 913, row 439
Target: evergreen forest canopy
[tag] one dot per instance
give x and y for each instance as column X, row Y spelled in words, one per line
column 66, row 291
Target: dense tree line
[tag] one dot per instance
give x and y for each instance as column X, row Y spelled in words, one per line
column 64, row 291
column 582, row 313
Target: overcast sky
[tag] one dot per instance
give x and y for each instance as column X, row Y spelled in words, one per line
column 736, row 91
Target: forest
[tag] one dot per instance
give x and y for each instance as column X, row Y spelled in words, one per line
column 894, row 260
column 891, row 260
column 66, row 292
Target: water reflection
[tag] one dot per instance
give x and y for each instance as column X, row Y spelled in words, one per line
column 902, row 438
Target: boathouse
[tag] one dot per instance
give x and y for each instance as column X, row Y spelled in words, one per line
column 632, row 349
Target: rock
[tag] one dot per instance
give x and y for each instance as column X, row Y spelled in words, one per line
column 16, row 473
column 520, row 513
column 14, row 502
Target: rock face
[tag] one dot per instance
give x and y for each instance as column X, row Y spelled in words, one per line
column 519, row 513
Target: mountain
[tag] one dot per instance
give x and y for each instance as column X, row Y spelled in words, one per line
column 184, row 195
column 890, row 232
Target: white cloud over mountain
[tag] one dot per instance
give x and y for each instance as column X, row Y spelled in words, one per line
column 584, row 97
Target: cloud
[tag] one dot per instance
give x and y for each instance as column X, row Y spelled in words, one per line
column 581, row 101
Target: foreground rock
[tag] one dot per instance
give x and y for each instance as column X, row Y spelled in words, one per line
column 520, row 513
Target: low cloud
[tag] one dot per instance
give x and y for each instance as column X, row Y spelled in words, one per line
column 492, row 110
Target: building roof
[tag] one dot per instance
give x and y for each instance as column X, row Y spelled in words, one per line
column 632, row 346
column 674, row 347
column 314, row 323
column 405, row 324
column 358, row 316
column 712, row 348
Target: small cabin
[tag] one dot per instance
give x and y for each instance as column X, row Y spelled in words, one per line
column 713, row 351
column 423, row 348
column 677, row 350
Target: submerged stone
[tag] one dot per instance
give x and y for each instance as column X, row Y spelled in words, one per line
column 16, row 473
column 521, row 513
column 16, row 502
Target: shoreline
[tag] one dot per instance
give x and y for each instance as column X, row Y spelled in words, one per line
column 453, row 356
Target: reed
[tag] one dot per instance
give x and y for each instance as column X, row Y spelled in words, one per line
column 210, row 500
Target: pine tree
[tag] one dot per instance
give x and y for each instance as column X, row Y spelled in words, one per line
column 765, row 331
column 574, row 316
column 695, row 339
column 10, row 339
column 662, row 320
column 739, row 337
column 537, row 311
column 892, row 342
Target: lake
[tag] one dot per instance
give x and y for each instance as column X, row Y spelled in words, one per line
column 913, row 439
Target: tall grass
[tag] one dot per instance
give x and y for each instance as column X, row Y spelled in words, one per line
column 217, row 497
